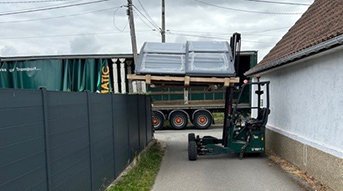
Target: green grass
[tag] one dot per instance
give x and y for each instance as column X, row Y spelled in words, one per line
column 142, row 176
column 218, row 118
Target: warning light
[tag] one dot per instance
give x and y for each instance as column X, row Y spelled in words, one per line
column 245, row 81
column 262, row 138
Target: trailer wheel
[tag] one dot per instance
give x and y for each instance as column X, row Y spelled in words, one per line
column 157, row 120
column 192, row 151
column 178, row 120
column 202, row 120
column 191, row 137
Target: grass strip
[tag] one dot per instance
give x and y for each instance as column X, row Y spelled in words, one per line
column 306, row 180
column 142, row 176
column 218, row 117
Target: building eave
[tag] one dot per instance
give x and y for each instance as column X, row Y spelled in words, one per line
column 324, row 46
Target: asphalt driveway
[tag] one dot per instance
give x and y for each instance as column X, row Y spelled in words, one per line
column 224, row 172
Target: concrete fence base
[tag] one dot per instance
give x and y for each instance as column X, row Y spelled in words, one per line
column 323, row 166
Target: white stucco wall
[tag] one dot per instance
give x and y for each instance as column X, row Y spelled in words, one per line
column 306, row 102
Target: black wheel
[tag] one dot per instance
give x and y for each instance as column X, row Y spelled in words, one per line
column 191, row 137
column 192, row 151
column 157, row 120
column 202, row 120
column 178, row 120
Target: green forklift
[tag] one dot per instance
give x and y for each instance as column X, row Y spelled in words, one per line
column 241, row 133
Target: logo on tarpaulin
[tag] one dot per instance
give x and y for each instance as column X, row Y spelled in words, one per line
column 104, row 82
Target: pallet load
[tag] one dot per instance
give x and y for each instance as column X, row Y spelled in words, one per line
column 203, row 58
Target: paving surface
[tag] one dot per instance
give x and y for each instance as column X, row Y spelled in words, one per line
column 222, row 172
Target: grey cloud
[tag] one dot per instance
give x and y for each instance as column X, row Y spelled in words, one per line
column 8, row 51
column 84, row 44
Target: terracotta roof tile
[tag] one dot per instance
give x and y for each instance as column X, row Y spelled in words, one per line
column 322, row 21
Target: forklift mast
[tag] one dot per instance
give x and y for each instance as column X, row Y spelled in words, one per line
column 235, row 44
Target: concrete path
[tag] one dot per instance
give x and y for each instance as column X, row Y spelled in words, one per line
column 224, row 172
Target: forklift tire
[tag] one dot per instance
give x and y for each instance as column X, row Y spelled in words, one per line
column 157, row 120
column 191, row 137
column 192, row 151
column 202, row 120
column 178, row 120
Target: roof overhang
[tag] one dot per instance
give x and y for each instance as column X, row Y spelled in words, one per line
column 324, row 47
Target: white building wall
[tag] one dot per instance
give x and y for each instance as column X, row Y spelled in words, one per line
column 306, row 102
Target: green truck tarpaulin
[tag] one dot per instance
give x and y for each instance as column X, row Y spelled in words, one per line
column 57, row 74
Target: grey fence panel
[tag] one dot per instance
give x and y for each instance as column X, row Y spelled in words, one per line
column 149, row 119
column 101, row 140
column 142, row 121
column 132, row 102
column 121, row 133
column 68, row 140
column 22, row 157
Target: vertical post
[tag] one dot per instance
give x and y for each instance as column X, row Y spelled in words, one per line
column 46, row 138
column 163, row 31
column 132, row 31
column 139, row 86
column 146, row 119
column 122, row 75
column 129, row 71
column 139, row 127
column 185, row 96
column 115, row 75
column 113, row 136
column 89, row 140
column 134, row 86
column 143, row 87
column 227, row 113
column 128, row 117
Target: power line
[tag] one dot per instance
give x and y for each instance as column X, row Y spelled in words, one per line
column 152, row 28
column 268, row 30
column 213, row 37
column 156, row 25
column 278, row 2
column 228, row 33
column 114, row 20
column 46, row 6
column 52, row 8
column 22, row 2
column 246, row 11
column 57, row 17
column 67, row 35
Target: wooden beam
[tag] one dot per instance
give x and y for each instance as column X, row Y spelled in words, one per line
column 227, row 82
column 186, row 80
column 183, row 81
column 148, row 79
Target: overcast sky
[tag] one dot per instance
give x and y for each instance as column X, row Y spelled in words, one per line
column 100, row 31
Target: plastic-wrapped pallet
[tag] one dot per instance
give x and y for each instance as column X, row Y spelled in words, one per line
column 209, row 59
column 194, row 58
column 162, row 58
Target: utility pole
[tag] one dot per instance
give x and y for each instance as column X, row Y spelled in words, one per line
column 163, row 31
column 132, row 31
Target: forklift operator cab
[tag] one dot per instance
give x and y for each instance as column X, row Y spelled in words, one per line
column 260, row 121
column 241, row 134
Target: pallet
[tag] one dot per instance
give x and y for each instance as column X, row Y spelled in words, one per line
column 183, row 81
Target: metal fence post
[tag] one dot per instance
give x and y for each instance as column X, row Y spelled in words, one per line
column 146, row 119
column 90, row 140
column 113, row 135
column 46, row 138
column 139, row 126
column 128, row 125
